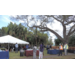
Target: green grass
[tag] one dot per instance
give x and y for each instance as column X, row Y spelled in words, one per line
column 2, row 48
column 62, row 57
column 13, row 55
column 58, row 57
column 45, row 52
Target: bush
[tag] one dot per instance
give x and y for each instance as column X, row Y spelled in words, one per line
column 71, row 41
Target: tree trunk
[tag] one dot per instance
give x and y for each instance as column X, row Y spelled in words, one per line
column 65, row 41
column 39, row 41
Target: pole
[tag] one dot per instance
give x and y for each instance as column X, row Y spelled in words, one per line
column 8, row 46
column 36, row 35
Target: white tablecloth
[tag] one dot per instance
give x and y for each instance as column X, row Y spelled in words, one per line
column 0, row 50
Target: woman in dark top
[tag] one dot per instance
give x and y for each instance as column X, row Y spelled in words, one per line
column 50, row 46
column 41, row 51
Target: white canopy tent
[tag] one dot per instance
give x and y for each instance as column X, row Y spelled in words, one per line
column 10, row 39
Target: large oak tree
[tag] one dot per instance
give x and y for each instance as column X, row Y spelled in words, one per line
column 65, row 20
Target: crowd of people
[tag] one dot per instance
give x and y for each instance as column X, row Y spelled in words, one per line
column 17, row 47
column 48, row 47
column 41, row 49
column 61, row 48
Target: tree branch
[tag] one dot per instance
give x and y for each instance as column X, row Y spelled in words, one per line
column 48, row 29
column 28, row 23
column 71, row 32
column 69, row 22
column 64, row 30
column 64, row 27
column 56, row 19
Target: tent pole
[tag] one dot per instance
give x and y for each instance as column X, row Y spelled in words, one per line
column 8, row 46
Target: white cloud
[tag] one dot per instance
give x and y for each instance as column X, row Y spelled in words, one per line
column 57, row 27
column 20, row 21
column 5, row 19
column 12, row 15
column 69, row 26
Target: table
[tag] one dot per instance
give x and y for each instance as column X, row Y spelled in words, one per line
column 71, row 51
column 30, row 52
column 53, row 51
column 4, row 55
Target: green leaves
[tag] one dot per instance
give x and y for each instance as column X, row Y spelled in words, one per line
column 4, row 30
column 72, row 40
column 57, row 42
column 18, row 30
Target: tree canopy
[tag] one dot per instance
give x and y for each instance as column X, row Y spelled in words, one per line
column 21, row 32
column 67, row 22
column 70, row 43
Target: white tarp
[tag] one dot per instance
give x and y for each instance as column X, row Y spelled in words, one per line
column 11, row 39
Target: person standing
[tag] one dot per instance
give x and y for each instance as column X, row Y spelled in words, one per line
column 27, row 47
column 47, row 47
column 50, row 46
column 41, row 51
column 60, row 50
column 34, row 51
column 16, row 48
column 65, row 48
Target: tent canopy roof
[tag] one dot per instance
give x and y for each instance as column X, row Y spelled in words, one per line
column 11, row 39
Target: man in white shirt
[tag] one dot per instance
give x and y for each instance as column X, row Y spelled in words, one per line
column 34, row 51
column 16, row 48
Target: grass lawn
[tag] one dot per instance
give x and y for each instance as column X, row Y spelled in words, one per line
column 13, row 55
column 61, row 57
column 45, row 52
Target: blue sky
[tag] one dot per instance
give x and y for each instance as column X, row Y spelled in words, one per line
column 5, row 20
